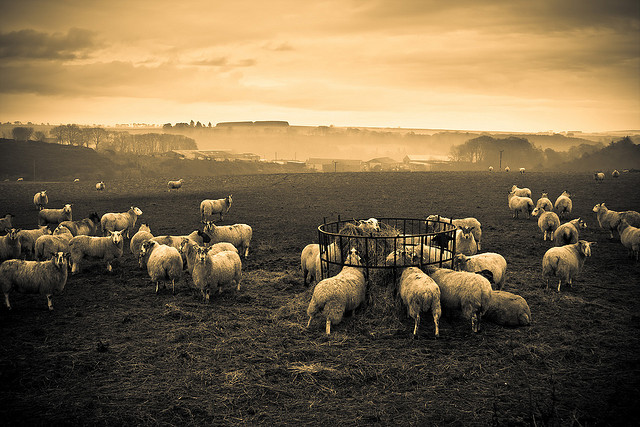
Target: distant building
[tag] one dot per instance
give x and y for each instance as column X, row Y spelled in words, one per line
column 382, row 164
column 420, row 162
column 216, row 155
column 334, row 165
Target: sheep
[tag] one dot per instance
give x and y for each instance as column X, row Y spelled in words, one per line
column 174, row 185
column 48, row 245
column 188, row 251
column 548, row 222
column 565, row 262
column 34, row 277
column 124, row 221
column 5, row 223
column 461, row 290
column 215, row 271
column 569, row 232
column 370, row 225
column 100, row 186
column 76, row 180
column 563, row 204
column 435, row 222
column 630, row 238
column 615, row 174
column 10, row 245
column 20, row 179
column 508, row 309
column 544, row 202
column 142, row 235
column 96, row 248
column 335, row 295
column 197, row 236
column 87, row 226
column 522, row 192
column 40, row 200
column 208, row 208
column 28, row 240
column 465, row 242
column 609, row 219
column 414, row 254
column 55, row 216
column 598, row 176
column 310, row 263
column 490, row 168
column 507, row 169
column 520, row 204
column 239, row 235
column 490, row 261
column 522, row 171
column 163, row 263
column 419, row 292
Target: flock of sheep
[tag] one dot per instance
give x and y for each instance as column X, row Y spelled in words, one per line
column 37, row 260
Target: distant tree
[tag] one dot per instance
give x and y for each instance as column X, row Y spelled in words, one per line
column 95, row 135
column 39, row 136
column 181, row 126
column 167, row 126
column 192, row 123
column 21, row 133
column 209, row 125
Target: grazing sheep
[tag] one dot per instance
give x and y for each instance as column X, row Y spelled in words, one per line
column 20, row 179
column 563, row 204
column 369, row 226
column 522, row 172
column 174, row 185
column 310, row 263
column 489, row 261
column 544, row 202
column 598, row 176
column 412, row 254
column 508, row 309
column 490, row 168
column 208, row 208
column 55, row 216
column 197, row 236
column 124, row 221
column 100, row 186
column 215, row 271
column 5, row 223
column 34, row 277
column 520, row 204
column 630, row 238
column 632, row 217
column 615, row 173
column 420, row 293
column 333, row 296
column 40, row 200
column 142, row 235
column 87, row 226
column 188, row 250
column 163, row 263
column 507, row 169
column 435, row 223
column 610, row 219
column 10, row 245
column 522, row 192
column 76, row 180
column 95, row 248
column 461, row 290
column 565, row 262
column 239, row 235
column 48, row 245
column 548, row 222
column 569, row 232
column 28, row 240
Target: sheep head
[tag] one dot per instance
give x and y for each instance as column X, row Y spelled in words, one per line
column 60, row 259
column 116, row 237
column 136, row 210
column 585, row 247
column 353, row 257
column 459, row 261
column 67, row 208
column 201, row 254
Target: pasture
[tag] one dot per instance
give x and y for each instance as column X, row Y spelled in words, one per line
column 113, row 352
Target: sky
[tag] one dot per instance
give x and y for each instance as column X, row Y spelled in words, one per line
column 521, row 66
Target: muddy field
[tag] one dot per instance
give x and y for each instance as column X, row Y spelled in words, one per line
column 113, row 352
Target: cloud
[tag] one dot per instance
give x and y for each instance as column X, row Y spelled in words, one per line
column 32, row 44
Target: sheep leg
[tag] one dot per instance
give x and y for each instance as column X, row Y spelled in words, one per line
column 49, row 302
column 475, row 322
column 74, row 267
column 416, row 324
column 238, row 288
column 173, row 285
column 304, row 277
column 328, row 327
column 436, row 322
column 6, row 301
column 109, row 268
column 207, row 296
column 559, row 283
column 157, row 287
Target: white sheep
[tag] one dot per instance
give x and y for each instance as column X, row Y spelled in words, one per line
column 239, row 235
column 569, row 232
column 507, row 169
column 188, row 249
column 333, row 296
column 630, row 238
column 5, row 223
column 163, row 263
column 565, row 262
column 10, row 245
column 563, row 204
column 412, row 254
column 544, row 202
column 95, row 248
column 419, row 293
column 508, row 309
column 491, row 261
column 615, row 173
column 465, row 242
column 435, row 224
column 208, row 208
column 310, row 263
column 598, row 176
column 124, row 221
column 142, row 235
column 87, row 226
column 34, row 277
column 609, row 219
column 28, row 240
column 522, row 192
column 490, row 168
column 76, row 180
column 519, row 204
column 213, row 271
column 197, row 236
column 100, row 186
column 369, row 226
column 174, row 185
column 461, row 290
column 40, row 200
column 48, row 245
column 548, row 222
column 55, row 216
column 522, row 172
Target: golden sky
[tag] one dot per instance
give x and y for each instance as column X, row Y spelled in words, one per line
column 475, row 65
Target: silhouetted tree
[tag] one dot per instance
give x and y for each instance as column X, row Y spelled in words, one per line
column 39, row 136
column 21, row 133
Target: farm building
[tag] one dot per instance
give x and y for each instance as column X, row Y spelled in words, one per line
column 217, row 155
column 418, row 162
column 334, row 165
column 381, row 164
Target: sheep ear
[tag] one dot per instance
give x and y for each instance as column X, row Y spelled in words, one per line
column 592, row 243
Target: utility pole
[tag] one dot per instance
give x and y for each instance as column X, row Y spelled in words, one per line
column 501, row 159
